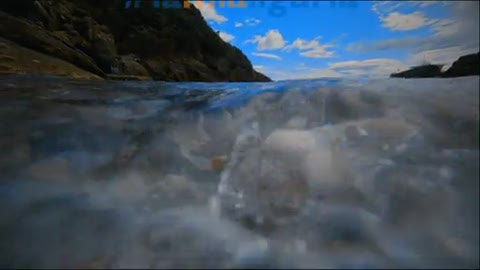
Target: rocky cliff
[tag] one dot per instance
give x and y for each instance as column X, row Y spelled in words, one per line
column 108, row 40
column 425, row 71
column 466, row 65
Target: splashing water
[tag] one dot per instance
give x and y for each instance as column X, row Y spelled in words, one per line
column 302, row 174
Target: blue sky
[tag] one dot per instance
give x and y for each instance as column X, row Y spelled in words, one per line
column 315, row 39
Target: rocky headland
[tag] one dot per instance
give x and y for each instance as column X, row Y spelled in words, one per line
column 104, row 39
column 466, row 65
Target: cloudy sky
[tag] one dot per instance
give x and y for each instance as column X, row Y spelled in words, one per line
column 314, row 39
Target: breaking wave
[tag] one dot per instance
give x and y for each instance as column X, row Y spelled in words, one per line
column 306, row 174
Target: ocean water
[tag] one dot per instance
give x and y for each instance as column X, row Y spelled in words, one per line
column 327, row 173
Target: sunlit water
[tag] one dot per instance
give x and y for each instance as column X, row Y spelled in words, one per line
column 316, row 173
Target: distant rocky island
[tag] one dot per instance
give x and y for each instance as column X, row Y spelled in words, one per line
column 103, row 39
column 466, row 65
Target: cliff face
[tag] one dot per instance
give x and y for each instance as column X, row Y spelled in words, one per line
column 103, row 37
column 426, row 71
column 466, row 65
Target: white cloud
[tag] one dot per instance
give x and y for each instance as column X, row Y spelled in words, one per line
column 252, row 22
column 364, row 63
column 402, row 22
column 311, row 49
column 379, row 67
column 386, row 44
column 268, row 55
column 226, row 36
column 382, row 8
column 323, row 73
column 311, row 73
column 460, row 29
column 394, row 20
column 378, row 6
column 209, row 12
column 444, row 56
column 258, row 67
column 272, row 40
column 248, row 22
column 370, row 68
column 320, row 52
column 425, row 3
column 302, row 44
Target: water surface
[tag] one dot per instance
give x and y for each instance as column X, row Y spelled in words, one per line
column 324, row 173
